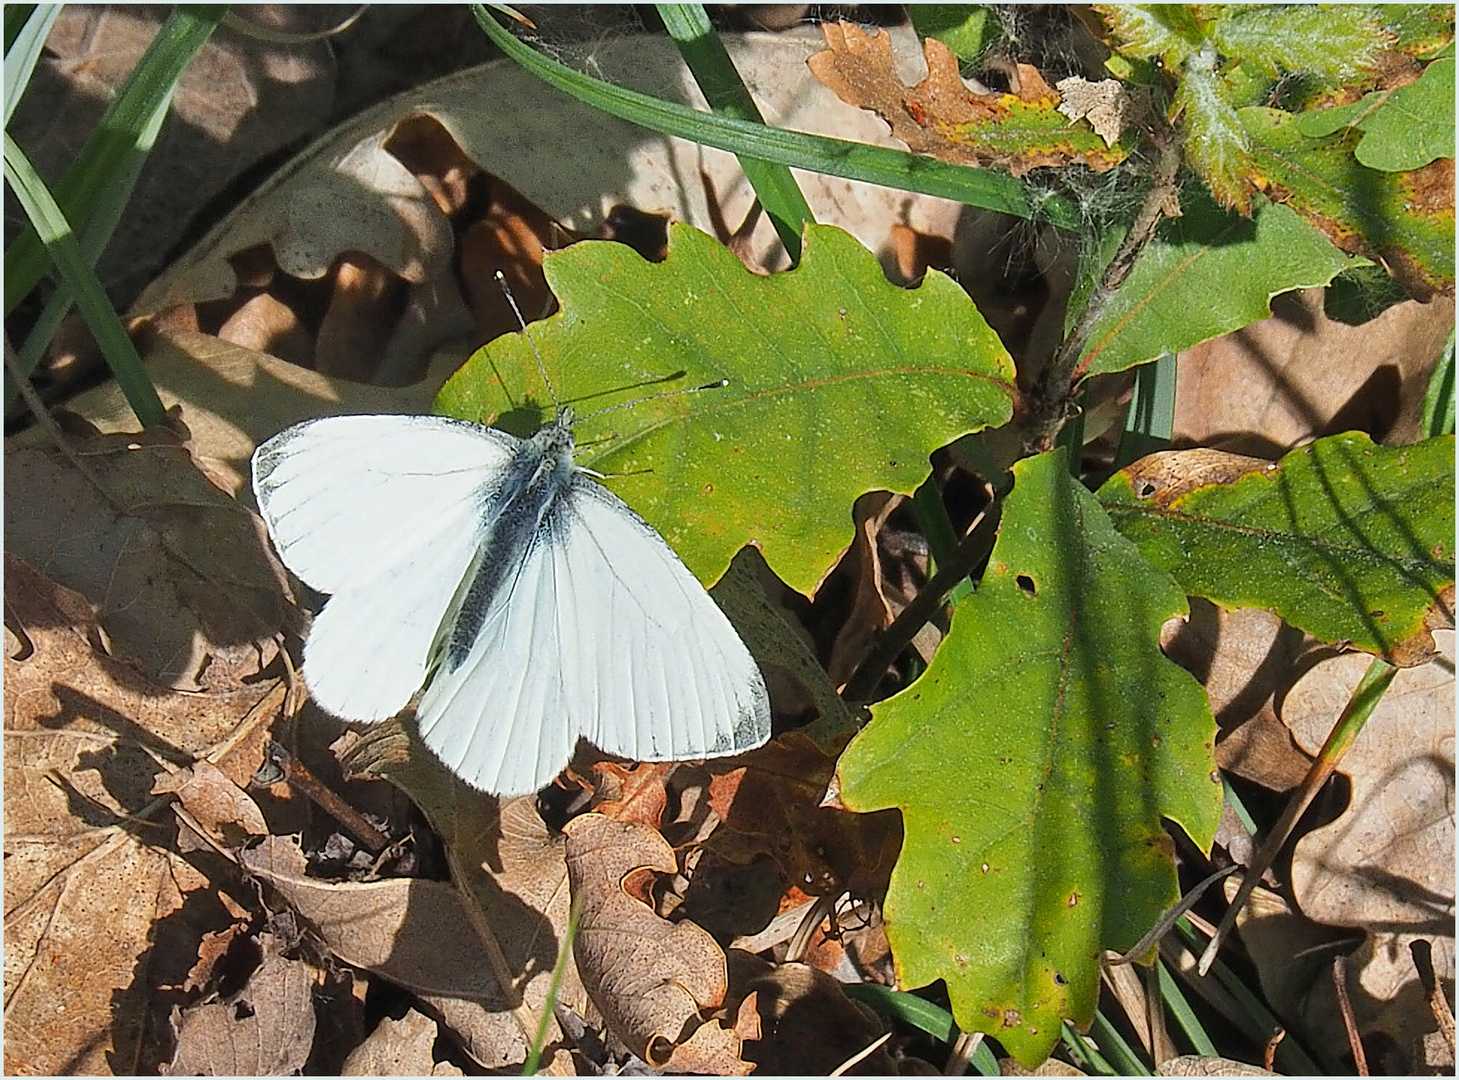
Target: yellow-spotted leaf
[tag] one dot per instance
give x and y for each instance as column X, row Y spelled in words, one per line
column 1033, row 763
column 1350, row 541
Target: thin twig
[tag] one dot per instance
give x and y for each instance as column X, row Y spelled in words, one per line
column 306, row 783
column 962, row 1052
column 1051, row 397
column 856, row 1059
column 1340, row 983
column 972, row 550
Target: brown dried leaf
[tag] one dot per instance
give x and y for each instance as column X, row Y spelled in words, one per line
column 240, row 99
column 942, row 117
column 511, row 873
column 809, row 1026
column 1194, row 1065
column 234, row 398
column 413, row 931
column 266, row 1029
column 403, row 1047
column 1385, row 866
column 80, row 732
column 1304, row 375
column 774, row 801
column 633, row 792
column 218, row 804
column 1245, row 659
column 178, row 572
column 385, row 185
column 651, row 979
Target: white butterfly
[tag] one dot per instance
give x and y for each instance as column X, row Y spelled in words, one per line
column 531, row 602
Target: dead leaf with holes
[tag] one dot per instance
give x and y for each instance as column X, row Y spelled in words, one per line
column 655, row 982
column 179, row 574
column 403, row 1047
column 265, row 1029
column 1386, row 865
column 81, row 732
column 944, row 118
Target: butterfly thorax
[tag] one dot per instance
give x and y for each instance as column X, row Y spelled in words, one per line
column 517, row 514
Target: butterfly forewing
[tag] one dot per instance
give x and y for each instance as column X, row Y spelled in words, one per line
column 385, row 513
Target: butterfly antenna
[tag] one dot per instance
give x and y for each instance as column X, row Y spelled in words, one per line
column 501, row 280
column 718, row 384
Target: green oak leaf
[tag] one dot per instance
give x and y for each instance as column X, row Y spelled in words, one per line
column 1204, row 274
column 1033, row 762
column 1405, row 220
column 1402, row 129
column 1328, row 41
column 966, row 29
column 1215, row 142
column 1167, row 31
column 839, row 383
column 1348, row 540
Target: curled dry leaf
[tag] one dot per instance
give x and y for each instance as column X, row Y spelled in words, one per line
column 1385, row 865
column 178, row 572
column 217, row 803
column 266, row 1029
column 942, row 117
column 652, row 980
column 80, row 729
column 401, row 1047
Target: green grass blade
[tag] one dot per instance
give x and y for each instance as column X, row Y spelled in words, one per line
column 834, row 157
column 1184, row 1015
column 1439, row 398
column 921, row 1014
column 26, row 28
column 100, row 180
column 1084, row 1054
column 54, row 231
column 1151, row 419
column 1119, row 1052
column 715, row 72
column 554, row 987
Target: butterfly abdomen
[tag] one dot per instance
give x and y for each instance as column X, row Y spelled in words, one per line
column 514, row 519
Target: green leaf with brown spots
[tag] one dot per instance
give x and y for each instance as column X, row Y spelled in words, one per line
column 1405, row 220
column 1347, row 540
column 1033, row 762
column 840, row 383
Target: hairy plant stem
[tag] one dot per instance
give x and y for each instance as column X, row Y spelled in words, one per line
column 1052, row 397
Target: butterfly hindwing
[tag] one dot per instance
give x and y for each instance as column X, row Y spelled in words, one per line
column 603, row 633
